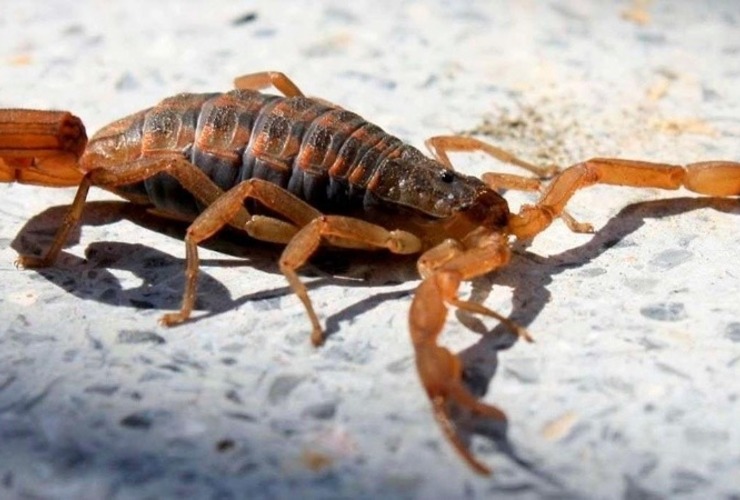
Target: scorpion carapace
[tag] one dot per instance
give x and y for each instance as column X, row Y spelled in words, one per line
column 303, row 172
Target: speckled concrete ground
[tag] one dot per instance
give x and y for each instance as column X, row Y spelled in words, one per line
column 631, row 389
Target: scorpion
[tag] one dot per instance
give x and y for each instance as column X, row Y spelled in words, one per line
column 303, row 172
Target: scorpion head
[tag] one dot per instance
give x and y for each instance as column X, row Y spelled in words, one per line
column 449, row 200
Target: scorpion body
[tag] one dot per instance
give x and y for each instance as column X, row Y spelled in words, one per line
column 329, row 157
column 302, row 172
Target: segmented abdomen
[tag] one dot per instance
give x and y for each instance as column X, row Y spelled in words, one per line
column 323, row 154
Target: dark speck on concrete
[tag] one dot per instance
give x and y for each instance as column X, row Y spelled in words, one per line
column 567, row 12
column 635, row 491
column 127, row 82
column 370, row 79
column 27, row 340
column 339, row 14
column 686, row 481
column 5, row 381
column 135, row 395
column 651, row 38
column 141, row 421
column 233, row 396
column 139, row 469
column 732, row 331
column 524, row 371
column 282, row 386
column 139, row 337
column 706, row 437
column 673, row 371
column 285, row 427
column 102, row 389
column 665, row 311
column 171, row 368
column 237, row 415
column 185, row 361
column 321, row 411
column 400, row 365
column 151, row 375
column 592, row 272
column 709, row 94
column 94, row 342
column 70, row 459
column 30, row 401
column 224, row 445
column 244, row 19
column 669, row 259
column 264, row 33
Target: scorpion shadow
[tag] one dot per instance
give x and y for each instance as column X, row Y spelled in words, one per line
column 161, row 276
column 528, row 276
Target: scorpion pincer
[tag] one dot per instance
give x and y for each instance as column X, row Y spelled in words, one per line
column 302, row 172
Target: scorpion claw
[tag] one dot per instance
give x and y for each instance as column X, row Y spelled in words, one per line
column 442, row 416
column 576, row 226
column 441, row 374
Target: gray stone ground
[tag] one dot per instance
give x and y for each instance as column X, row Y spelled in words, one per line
column 631, row 390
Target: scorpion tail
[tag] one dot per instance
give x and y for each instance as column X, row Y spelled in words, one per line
column 41, row 147
column 439, row 369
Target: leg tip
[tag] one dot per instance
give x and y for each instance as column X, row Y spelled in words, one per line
column 173, row 319
column 31, row 262
column 317, row 338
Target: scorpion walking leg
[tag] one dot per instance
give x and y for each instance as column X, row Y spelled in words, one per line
column 263, row 79
column 714, row 178
column 263, row 228
column 442, row 144
column 439, row 369
column 343, row 232
column 191, row 178
column 339, row 231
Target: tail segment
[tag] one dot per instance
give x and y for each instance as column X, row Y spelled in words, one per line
column 41, row 147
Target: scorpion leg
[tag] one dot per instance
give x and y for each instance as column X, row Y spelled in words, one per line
column 713, row 178
column 191, row 178
column 439, row 369
column 263, row 79
column 345, row 232
column 440, row 145
column 223, row 210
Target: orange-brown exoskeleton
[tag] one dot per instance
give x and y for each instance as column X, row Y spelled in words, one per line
column 316, row 174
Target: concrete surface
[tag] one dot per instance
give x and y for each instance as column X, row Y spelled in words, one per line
column 631, row 390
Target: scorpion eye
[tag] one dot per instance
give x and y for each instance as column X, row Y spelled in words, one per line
column 446, row 176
